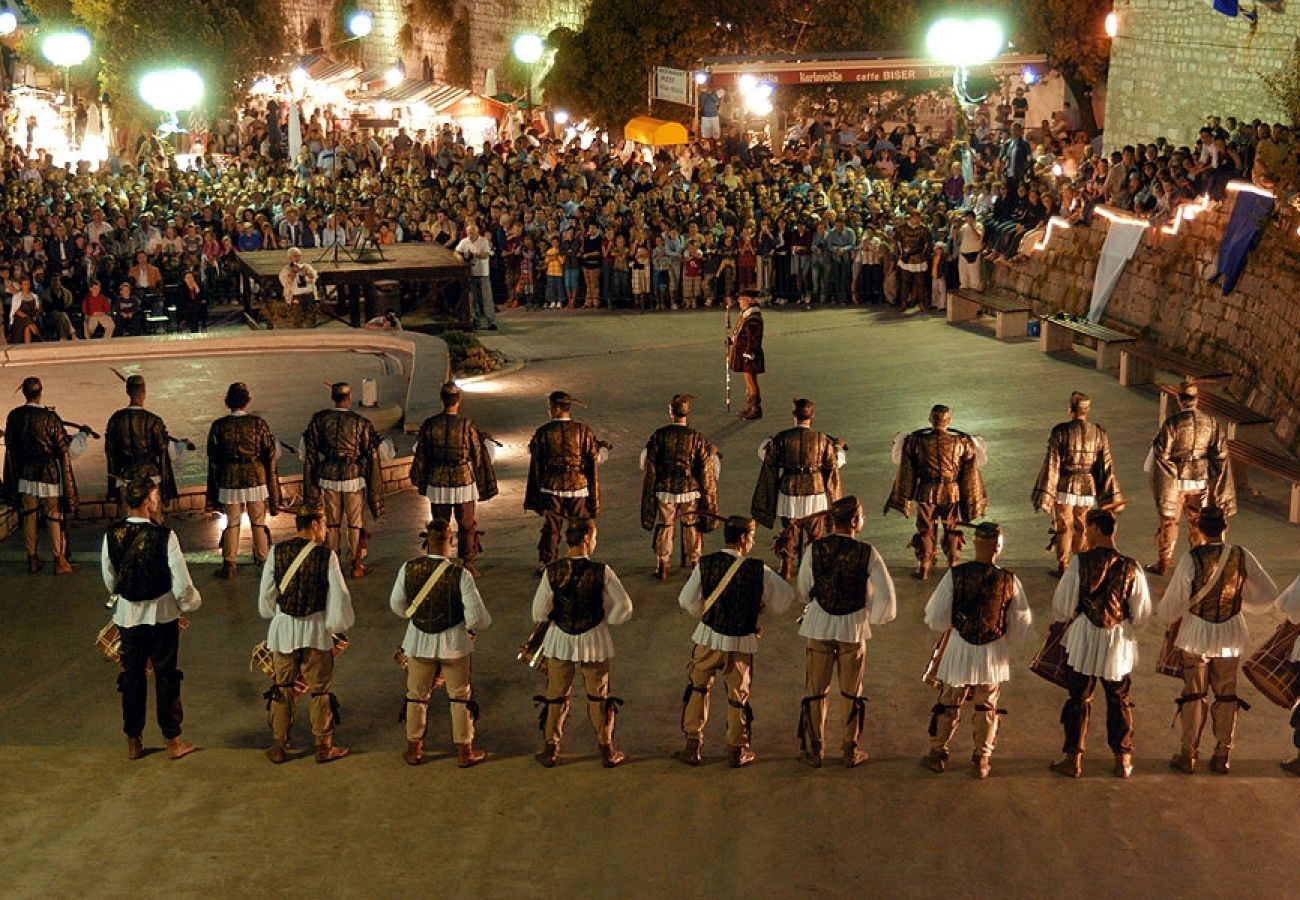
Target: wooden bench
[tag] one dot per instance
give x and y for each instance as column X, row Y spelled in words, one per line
column 1139, row 362
column 1247, row 456
column 1232, row 414
column 1060, row 334
column 1012, row 316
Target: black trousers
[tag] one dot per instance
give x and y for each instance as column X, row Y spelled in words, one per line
column 141, row 645
column 1078, row 709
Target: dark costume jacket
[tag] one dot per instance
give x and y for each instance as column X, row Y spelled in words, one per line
column 1191, row 446
column 135, row 443
column 679, row 460
column 1106, row 579
column 37, row 449
column 982, row 594
column 340, row 445
column 1078, row 462
column 564, row 457
column 1223, row 600
column 939, row 467
column 443, row 607
column 242, row 454
column 748, row 340
column 450, row 452
column 799, row 462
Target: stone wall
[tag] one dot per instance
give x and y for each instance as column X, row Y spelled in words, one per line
column 1163, row 297
column 1174, row 62
column 493, row 26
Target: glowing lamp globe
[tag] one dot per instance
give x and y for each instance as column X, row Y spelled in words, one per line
column 561, row 117
column 172, row 90
column 701, row 77
column 66, row 48
column 1112, row 24
column 360, row 24
column 8, row 23
column 393, row 77
column 528, row 48
column 964, row 43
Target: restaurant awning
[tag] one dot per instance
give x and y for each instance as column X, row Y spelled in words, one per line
column 655, row 132
column 324, row 70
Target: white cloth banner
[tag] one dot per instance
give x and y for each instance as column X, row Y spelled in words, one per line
column 295, row 133
column 1121, row 243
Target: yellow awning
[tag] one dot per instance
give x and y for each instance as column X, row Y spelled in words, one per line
column 655, row 132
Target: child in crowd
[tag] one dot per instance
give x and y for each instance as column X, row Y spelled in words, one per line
column 555, row 260
column 692, row 275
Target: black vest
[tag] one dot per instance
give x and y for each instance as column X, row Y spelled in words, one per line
column 310, row 587
column 735, row 614
column 577, row 594
column 840, row 566
column 141, row 566
column 1105, row 581
column 981, row 595
column 443, row 607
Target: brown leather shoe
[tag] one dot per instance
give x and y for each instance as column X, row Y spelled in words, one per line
column 1293, row 766
column 981, row 764
column 853, row 757
column 692, row 754
column 413, row 753
column 610, row 757
column 752, row 414
column 326, row 751
column 1123, row 765
column 134, row 748
column 813, row 756
column 1071, row 766
column 34, row 563
column 278, row 753
column 661, row 570
column 467, row 756
column 549, row 755
column 63, row 567
column 1160, row 566
column 741, row 756
column 178, row 747
column 1220, row 763
column 1183, row 763
column 922, row 571
column 227, row 571
column 360, row 570
column 935, row 761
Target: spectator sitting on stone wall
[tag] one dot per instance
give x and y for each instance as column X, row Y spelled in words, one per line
column 1271, row 152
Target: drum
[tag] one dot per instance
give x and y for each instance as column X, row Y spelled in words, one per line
column 399, row 657
column 1170, row 661
column 1270, row 668
column 1050, row 661
column 109, row 641
column 261, row 661
column 530, row 651
column 931, row 675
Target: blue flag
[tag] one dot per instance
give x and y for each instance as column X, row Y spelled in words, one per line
column 1227, row 7
column 1249, row 215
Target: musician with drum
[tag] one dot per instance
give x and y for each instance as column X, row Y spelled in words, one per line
column 1104, row 599
column 303, row 593
column 1210, row 590
column 440, row 600
column 150, row 586
column 1287, row 638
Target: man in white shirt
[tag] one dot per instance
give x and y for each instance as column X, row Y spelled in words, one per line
column 149, row 586
column 728, row 591
column 477, row 251
column 441, row 602
column 1103, row 596
column 580, row 598
column 298, row 279
column 846, row 589
column 303, row 593
column 1211, row 589
column 982, row 607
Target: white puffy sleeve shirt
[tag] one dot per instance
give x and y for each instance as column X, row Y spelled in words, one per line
column 965, row 663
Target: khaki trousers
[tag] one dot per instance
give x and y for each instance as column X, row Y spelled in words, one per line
column 343, row 509
column 1068, row 534
column 823, row 658
column 1167, row 532
column 669, row 515
column 421, row 675
column 31, row 509
column 256, row 510
column 317, row 669
column 946, row 716
column 559, row 680
column 1200, row 676
column 737, row 670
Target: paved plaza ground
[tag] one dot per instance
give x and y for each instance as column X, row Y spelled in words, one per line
column 79, row 819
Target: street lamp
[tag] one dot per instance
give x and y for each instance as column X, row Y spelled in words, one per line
column 8, row 22
column 66, row 49
column 961, row 44
column 528, row 50
column 172, row 90
column 360, row 24
column 393, row 77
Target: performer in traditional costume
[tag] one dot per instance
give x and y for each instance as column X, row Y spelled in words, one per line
column 983, row 608
column 745, row 353
column 678, row 487
column 939, row 470
column 303, row 593
column 38, row 477
column 1103, row 596
column 242, row 478
column 1288, row 603
column 563, row 475
column 580, row 598
column 342, row 466
column 442, row 603
column 452, row 467
column 728, row 592
column 846, row 589
column 1211, row 589
column 149, row 587
column 137, row 445
column 799, row 480
column 1189, row 470
column 1077, row 476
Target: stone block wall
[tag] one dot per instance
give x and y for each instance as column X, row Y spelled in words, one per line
column 1174, row 62
column 1163, row 296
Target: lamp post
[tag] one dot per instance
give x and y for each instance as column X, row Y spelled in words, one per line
column 360, row 24
column 8, row 21
column 528, row 50
column 66, row 49
column 963, row 43
column 171, row 91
